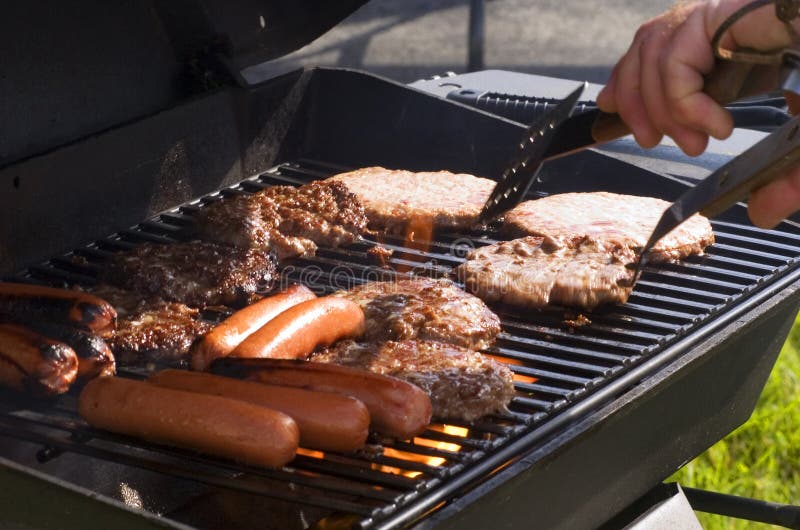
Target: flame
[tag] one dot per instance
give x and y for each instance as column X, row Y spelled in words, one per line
column 433, row 461
column 419, row 234
column 518, row 378
column 310, row 453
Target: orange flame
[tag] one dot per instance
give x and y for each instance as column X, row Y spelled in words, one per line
column 433, row 461
column 519, row 378
column 310, row 452
column 419, row 233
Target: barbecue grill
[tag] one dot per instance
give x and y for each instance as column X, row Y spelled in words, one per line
column 603, row 412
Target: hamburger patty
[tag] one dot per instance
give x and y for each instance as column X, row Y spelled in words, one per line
column 150, row 330
column 426, row 309
column 626, row 220
column 285, row 220
column 395, row 199
column 534, row 272
column 462, row 384
column 196, row 273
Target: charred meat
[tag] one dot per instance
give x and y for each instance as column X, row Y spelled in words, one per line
column 462, row 384
column 150, row 330
column 285, row 220
column 425, row 309
column 196, row 273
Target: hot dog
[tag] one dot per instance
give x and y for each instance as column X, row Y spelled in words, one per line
column 31, row 362
column 215, row 425
column 329, row 422
column 221, row 340
column 30, row 303
column 95, row 358
column 296, row 332
column 396, row 408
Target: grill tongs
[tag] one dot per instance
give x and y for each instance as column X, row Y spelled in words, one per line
column 557, row 134
column 732, row 182
column 549, row 136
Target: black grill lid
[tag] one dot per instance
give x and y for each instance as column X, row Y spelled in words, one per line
column 73, row 69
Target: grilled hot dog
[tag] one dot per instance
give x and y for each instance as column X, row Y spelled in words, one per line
column 31, row 362
column 226, row 336
column 95, row 358
column 329, row 422
column 296, row 332
column 396, row 408
column 21, row 302
column 220, row 426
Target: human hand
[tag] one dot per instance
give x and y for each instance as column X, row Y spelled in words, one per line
column 657, row 86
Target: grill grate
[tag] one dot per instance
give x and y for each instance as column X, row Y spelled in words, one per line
column 555, row 365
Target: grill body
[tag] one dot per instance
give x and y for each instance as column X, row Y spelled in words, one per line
column 617, row 407
column 595, row 468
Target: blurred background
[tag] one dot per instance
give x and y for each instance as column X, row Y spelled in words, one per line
column 415, row 39
column 574, row 39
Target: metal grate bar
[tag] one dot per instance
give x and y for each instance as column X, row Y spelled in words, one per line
column 631, row 307
column 565, row 337
column 737, row 277
column 732, row 250
column 546, row 360
column 656, row 299
column 353, row 469
column 778, row 235
column 699, row 295
column 627, row 324
column 700, row 283
column 294, row 474
column 757, row 241
column 125, row 456
column 531, row 344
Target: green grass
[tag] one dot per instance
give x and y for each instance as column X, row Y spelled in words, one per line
column 760, row 459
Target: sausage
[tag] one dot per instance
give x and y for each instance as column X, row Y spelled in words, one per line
column 221, row 340
column 211, row 424
column 95, row 358
column 396, row 408
column 22, row 302
column 302, row 328
column 328, row 422
column 31, row 362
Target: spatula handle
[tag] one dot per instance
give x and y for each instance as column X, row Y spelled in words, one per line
column 724, row 84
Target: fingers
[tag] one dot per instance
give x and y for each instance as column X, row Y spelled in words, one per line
column 657, row 87
column 653, row 90
column 780, row 198
column 605, row 98
column 683, row 63
column 630, row 100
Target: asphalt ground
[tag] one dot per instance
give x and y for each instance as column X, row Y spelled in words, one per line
column 408, row 40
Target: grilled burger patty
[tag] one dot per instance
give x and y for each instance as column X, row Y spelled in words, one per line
column 285, row 220
column 151, row 329
column 462, row 384
column 426, row 309
column 196, row 273
column 627, row 220
column 534, row 272
column 393, row 199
